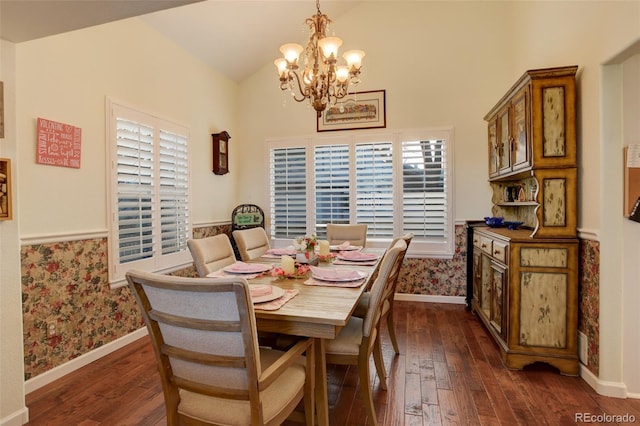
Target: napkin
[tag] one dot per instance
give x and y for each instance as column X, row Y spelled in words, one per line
column 344, row 245
column 280, row 252
column 330, row 274
column 244, row 267
column 261, row 290
column 357, row 255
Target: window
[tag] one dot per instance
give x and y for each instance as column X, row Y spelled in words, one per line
column 149, row 194
column 394, row 182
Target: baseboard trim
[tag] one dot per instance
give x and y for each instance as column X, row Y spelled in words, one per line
column 604, row 388
column 17, row 418
column 76, row 363
column 458, row 300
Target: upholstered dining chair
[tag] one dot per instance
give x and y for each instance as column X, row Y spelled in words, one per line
column 203, row 332
column 252, row 243
column 211, row 253
column 360, row 337
column 356, row 234
column 388, row 297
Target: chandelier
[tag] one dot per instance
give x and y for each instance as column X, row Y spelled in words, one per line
column 316, row 75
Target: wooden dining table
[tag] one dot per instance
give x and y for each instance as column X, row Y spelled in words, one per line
column 319, row 312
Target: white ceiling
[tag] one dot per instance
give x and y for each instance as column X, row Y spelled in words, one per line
column 236, row 37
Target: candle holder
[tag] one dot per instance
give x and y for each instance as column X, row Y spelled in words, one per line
column 300, row 271
column 327, row 258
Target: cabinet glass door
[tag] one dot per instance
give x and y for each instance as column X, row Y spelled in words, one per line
column 521, row 151
column 504, row 140
column 494, row 148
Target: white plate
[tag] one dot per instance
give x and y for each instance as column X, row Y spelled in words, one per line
column 364, row 257
column 340, row 248
column 255, row 268
column 360, row 275
column 276, row 293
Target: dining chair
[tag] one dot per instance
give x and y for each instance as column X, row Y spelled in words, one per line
column 388, row 297
column 360, row 337
column 356, row 234
column 252, row 243
column 211, row 253
column 203, row 332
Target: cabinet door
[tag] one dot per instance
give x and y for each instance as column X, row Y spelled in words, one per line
column 494, row 148
column 554, row 122
column 521, row 141
column 477, row 276
column 504, row 140
column 485, row 297
column 498, row 283
column 557, row 216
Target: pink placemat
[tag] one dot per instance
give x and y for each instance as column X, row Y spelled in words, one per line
column 277, row 303
column 350, row 284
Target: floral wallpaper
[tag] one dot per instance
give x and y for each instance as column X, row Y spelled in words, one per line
column 589, row 300
column 67, row 304
column 69, row 309
column 443, row 277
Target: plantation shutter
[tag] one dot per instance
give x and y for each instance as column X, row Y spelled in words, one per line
column 135, row 186
column 174, row 191
column 331, row 185
column 425, row 201
column 288, row 180
column 374, row 188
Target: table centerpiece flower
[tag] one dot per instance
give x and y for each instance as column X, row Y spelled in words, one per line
column 305, row 248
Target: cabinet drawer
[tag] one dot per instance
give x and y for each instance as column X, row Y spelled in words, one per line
column 500, row 251
column 486, row 245
column 476, row 240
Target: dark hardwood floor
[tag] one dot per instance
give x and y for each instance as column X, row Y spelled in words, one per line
column 449, row 372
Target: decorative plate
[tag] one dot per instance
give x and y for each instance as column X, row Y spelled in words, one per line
column 276, row 292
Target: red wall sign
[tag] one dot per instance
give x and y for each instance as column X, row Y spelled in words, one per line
column 58, row 144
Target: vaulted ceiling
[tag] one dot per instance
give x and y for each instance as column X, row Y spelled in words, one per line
column 236, row 37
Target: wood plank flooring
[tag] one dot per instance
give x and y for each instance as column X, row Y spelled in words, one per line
column 449, row 373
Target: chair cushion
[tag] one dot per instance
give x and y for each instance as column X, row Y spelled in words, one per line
column 233, row 412
column 347, row 342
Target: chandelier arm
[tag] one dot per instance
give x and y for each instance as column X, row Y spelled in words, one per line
column 304, row 95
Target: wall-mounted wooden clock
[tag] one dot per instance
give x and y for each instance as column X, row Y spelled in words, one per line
column 221, row 153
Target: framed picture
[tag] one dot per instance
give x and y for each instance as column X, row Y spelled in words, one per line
column 362, row 110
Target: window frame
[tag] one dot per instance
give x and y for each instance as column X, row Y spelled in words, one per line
column 158, row 262
column 420, row 247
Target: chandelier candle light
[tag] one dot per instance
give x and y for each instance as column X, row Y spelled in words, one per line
column 320, row 80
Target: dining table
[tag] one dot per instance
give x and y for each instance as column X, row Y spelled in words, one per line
column 316, row 311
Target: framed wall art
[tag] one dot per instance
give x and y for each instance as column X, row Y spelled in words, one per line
column 362, row 110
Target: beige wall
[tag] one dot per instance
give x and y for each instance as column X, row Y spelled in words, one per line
column 67, row 77
column 12, row 408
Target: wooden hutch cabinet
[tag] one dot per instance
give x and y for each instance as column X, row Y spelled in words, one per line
column 525, row 281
